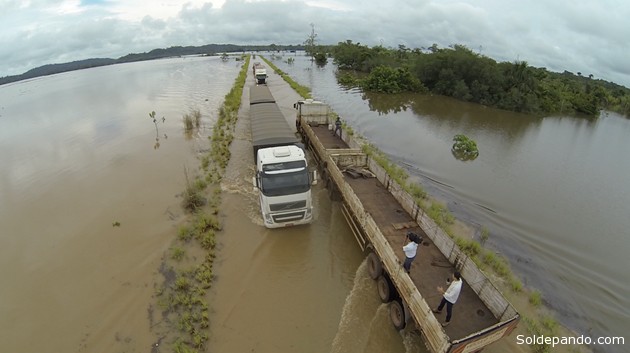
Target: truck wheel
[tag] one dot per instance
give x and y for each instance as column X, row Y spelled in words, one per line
column 323, row 171
column 385, row 287
column 375, row 267
column 305, row 140
column 333, row 193
column 397, row 314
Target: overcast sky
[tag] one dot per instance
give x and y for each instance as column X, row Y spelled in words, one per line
column 587, row 36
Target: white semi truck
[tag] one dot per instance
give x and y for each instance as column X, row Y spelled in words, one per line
column 282, row 175
column 260, row 73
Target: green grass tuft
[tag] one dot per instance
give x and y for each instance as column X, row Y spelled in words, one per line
column 535, row 298
column 177, row 253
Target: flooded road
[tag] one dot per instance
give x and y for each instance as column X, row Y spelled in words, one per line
column 90, row 206
column 299, row 289
column 78, row 157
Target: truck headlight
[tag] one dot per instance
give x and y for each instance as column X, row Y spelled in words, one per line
column 309, row 212
column 268, row 218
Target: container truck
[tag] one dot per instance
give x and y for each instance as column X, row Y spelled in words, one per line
column 282, row 176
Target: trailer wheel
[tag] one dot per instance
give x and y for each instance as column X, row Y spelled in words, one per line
column 397, row 314
column 385, row 287
column 333, row 192
column 375, row 267
column 323, row 171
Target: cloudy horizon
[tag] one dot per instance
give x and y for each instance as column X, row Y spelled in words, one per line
column 589, row 37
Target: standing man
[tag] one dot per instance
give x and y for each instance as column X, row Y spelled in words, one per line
column 410, row 250
column 449, row 297
column 337, row 126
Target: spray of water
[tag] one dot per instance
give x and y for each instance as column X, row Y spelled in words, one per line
column 241, row 184
column 365, row 326
column 357, row 313
column 412, row 341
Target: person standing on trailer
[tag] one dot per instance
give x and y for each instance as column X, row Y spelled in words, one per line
column 410, row 250
column 337, row 126
column 449, row 297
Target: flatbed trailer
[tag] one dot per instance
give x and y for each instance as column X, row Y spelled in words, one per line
column 380, row 213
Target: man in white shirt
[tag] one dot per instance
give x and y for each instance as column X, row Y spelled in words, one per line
column 410, row 250
column 449, row 297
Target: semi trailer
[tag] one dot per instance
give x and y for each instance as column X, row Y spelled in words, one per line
column 380, row 213
column 282, row 176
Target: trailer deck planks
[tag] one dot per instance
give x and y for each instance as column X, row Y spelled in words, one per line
column 430, row 268
column 380, row 213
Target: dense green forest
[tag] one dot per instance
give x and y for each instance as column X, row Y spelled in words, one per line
column 463, row 74
column 209, row 49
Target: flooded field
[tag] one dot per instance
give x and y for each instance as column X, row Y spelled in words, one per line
column 88, row 204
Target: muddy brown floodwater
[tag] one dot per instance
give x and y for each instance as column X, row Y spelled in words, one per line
column 299, row 289
column 76, row 156
column 552, row 191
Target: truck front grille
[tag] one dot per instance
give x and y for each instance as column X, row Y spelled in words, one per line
column 288, row 217
column 287, row 206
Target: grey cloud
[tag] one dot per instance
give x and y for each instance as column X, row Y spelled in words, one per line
column 153, row 24
column 559, row 34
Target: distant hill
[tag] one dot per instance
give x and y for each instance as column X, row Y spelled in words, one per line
column 57, row 68
column 209, row 49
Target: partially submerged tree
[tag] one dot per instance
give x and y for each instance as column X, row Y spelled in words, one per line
column 311, row 42
column 157, row 132
column 464, row 148
column 321, row 59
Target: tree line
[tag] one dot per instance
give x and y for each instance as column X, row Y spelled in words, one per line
column 459, row 72
column 208, row 49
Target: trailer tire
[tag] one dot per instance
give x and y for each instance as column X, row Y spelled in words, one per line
column 323, row 171
column 333, row 192
column 386, row 290
column 397, row 314
column 375, row 267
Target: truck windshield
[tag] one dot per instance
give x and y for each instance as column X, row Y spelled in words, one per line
column 277, row 184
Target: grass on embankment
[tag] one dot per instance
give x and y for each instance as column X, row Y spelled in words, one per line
column 539, row 320
column 303, row 91
column 187, row 267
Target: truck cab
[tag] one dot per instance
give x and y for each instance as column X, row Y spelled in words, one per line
column 314, row 112
column 260, row 73
column 284, row 182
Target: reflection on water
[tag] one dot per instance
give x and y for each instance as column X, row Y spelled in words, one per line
column 385, row 104
column 552, row 191
column 87, row 206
